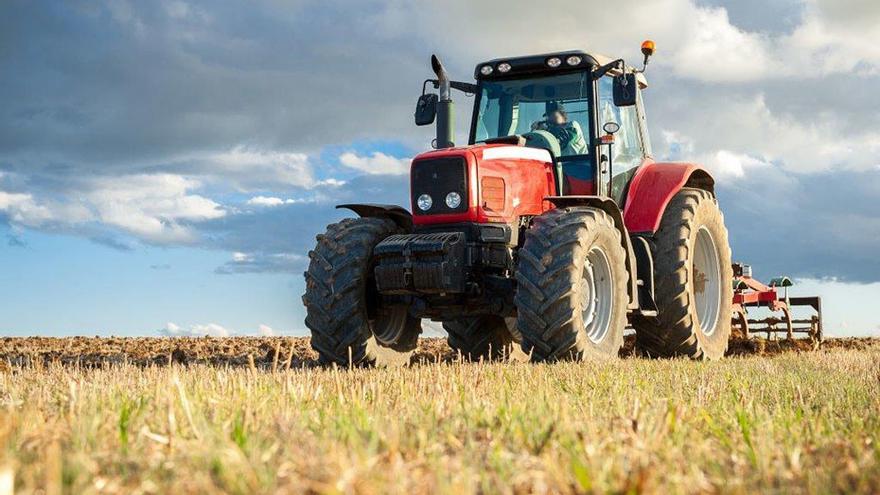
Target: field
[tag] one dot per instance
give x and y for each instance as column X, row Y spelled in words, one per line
column 256, row 416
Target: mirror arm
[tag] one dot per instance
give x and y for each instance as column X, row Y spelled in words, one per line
column 605, row 69
column 464, row 87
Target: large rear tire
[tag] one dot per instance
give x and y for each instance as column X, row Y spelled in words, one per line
column 694, row 281
column 571, row 293
column 349, row 326
column 485, row 337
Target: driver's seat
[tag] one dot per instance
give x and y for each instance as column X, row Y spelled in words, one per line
column 577, row 174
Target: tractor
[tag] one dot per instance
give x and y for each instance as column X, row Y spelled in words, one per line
column 553, row 229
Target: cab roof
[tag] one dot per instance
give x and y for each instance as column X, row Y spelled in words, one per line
column 537, row 64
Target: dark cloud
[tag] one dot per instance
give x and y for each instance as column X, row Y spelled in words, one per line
column 128, row 86
column 97, row 90
column 817, row 226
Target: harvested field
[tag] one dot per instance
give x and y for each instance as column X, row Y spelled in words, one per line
column 238, row 351
column 123, row 421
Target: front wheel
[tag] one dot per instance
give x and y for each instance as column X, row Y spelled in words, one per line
column 349, row 324
column 571, row 293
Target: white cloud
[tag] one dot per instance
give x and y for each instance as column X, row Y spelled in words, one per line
column 835, row 37
column 725, row 163
column 171, row 329
column 743, row 133
column 154, row 208
column 377, row 163
column 23, row 210
column 714, row 50
column 210, row 330
column 252, row 167
column 265, row 201
column 272, row 201
column 151, row 206
column 697, row 42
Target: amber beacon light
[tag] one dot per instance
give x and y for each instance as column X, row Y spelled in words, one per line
column 647, row 50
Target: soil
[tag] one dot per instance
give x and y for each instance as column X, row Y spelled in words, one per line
column 292, row 352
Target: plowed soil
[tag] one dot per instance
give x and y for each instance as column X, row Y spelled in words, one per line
column 284, row 352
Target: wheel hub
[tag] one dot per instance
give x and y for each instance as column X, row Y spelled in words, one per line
column 597, row 295
column 706, row 279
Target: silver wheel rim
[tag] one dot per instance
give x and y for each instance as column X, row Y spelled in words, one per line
column 706, row 281
column 597, row 300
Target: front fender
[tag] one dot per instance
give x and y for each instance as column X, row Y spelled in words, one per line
column 399, row 215
column 653, row 187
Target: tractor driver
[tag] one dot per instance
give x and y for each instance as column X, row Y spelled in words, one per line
column 569, row 133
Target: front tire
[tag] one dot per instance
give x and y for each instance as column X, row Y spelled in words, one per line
column 571, row 293
column 694, row 281
column 349, row 325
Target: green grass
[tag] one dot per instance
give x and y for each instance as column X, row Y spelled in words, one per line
column 798, row 422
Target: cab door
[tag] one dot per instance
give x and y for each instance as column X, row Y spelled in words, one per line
column 630, row 149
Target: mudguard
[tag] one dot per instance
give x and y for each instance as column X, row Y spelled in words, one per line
column 653, row 187
column 399, row 215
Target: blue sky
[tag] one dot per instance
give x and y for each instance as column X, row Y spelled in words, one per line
column 164, row 166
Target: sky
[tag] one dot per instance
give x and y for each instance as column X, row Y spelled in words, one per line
column 165, row 165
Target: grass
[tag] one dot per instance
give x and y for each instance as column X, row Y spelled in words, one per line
column 796, row 422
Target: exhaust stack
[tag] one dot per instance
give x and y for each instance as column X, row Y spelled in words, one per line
column 445, row 107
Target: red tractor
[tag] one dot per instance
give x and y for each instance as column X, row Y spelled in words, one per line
column 553, row 229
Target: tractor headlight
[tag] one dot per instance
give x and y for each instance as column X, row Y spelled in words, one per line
column 486, row 70
column 574, row 60
column 424, row 202
column 503, row 67
column 453, row 200
column 554, row 62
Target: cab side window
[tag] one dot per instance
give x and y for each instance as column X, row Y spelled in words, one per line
column 628, row 151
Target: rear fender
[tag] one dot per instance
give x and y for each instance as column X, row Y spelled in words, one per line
column 653, row 187
column 397, row 214
column 610, row 207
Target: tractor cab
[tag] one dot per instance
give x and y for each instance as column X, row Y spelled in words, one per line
column 565, row 103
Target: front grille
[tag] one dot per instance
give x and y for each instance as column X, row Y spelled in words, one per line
column 437, row 178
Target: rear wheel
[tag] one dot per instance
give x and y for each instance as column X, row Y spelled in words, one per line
column 349, row 325
column 483, row 337
column 571, row 286
column 694, row 281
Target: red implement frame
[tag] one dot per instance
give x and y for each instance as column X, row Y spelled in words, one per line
column 750, row 293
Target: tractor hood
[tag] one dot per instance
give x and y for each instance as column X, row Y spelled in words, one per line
column 481, row 183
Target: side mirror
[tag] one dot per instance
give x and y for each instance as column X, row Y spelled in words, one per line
column 426, row 109
column 624, row 89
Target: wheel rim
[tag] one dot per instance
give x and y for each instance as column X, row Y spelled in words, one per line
column 706, row 281
column 597, row 300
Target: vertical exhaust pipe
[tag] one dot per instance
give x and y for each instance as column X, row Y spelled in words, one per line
column 445, row 107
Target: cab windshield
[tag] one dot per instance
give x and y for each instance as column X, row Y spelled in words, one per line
column 554, row 106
